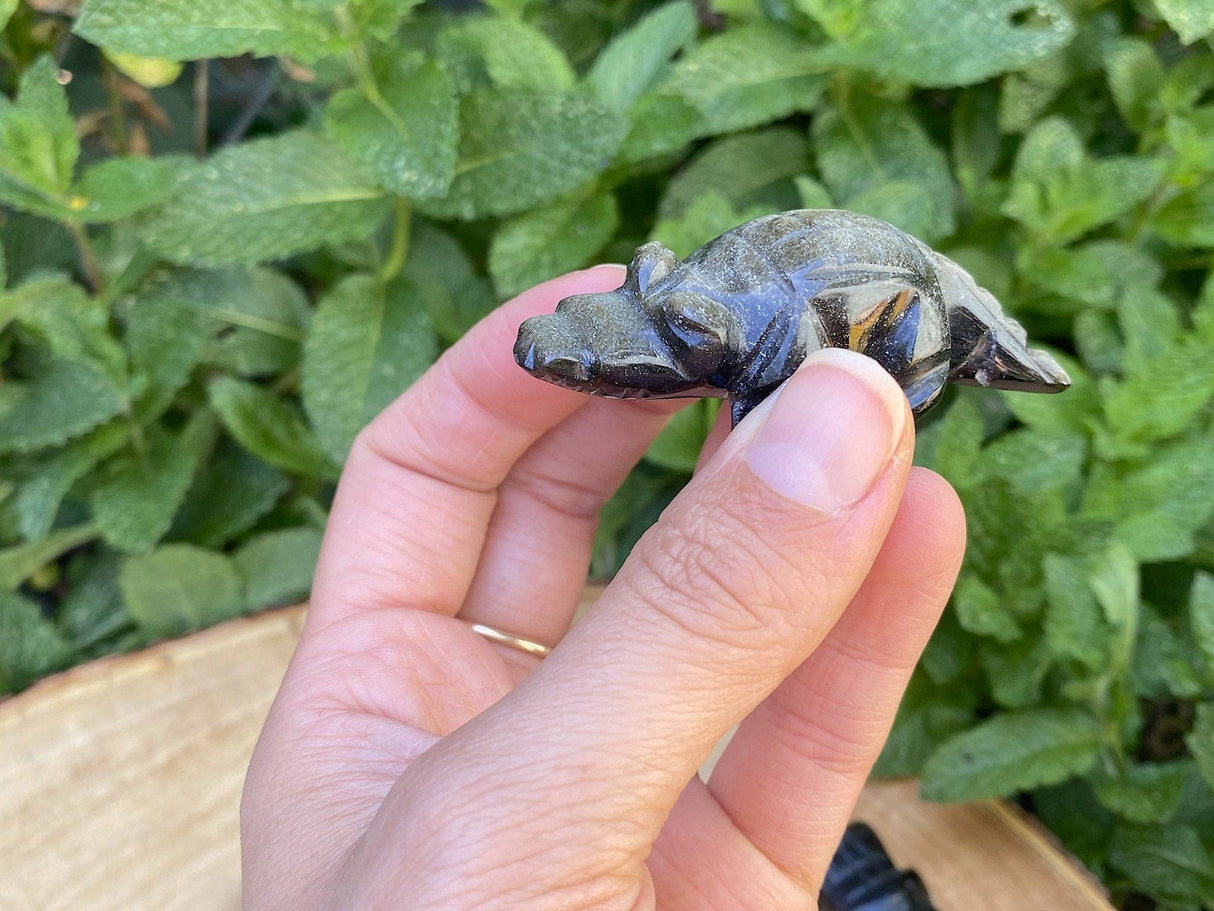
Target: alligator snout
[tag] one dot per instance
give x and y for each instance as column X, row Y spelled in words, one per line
column 563, row 361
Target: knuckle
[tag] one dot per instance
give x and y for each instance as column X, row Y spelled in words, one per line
column 714, row 573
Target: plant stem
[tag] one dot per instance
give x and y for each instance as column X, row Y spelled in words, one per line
column 202, row 72
column 360, row 59
column 113, row 91
column 401, row 229
column 88, row 258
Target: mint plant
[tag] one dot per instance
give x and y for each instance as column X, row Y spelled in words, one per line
column 234, row 231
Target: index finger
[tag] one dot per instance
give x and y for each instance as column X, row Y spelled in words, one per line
column 414, row 501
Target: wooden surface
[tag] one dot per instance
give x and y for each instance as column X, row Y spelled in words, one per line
column 120, row 786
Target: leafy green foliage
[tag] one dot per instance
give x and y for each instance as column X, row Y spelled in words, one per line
column 1014, row 751
column 946, row 42
column 549, row 241
column 265, row 200
column 405, row 131
column 365, row 345
column 189, row 344
column 188, row 30
column 523, row 146
column 178, row 588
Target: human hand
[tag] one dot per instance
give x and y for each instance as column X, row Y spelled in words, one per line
column 408, row 762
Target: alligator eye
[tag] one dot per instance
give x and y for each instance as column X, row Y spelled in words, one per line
column 693, row 327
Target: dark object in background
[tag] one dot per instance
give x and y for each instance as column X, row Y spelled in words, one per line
column 739, row 315
column 861, row 877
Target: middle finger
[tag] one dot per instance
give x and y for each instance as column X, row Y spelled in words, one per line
column 537, row 552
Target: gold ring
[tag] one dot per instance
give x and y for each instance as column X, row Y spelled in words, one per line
column 516, row 642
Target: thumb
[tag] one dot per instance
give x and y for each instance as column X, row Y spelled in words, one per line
column 736, row 584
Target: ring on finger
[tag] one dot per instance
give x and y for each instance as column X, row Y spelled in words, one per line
column 510, row 640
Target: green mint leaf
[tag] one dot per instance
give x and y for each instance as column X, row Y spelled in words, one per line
column 662, row 124
column 838, row 18
column 231, row 492
column 708, row 216
column 59, row 399
column 195, row 29
column 137, row 493
column 1136, row 79
column 1016, row 672
column 38, row 144
column 1163, row 396
column 178, row 588
column 1165, row 663
column 253, row 320
column 1060, row 194
column 1036, row 459
column 407, row 135
column 380, row 19
column 277, row 567
column 40, row 495
column 1187, row 219
column 1074, row 625
column 366, row 346
column 630, row 65
column 940, row 43
column 750, row 169
column 521, row 147
column 1013, row 752
column 1100, row 273
column 166, row 338
column 980, row 611
column 439, row 272
column 781, row 76
column 1158, row 506
column 550, row 241
column 813, row 195
column 1025, row 95
column 1147, row 793
column 1190, row 19
column 858, row 164
column 265, row 200
column 7, row 8
column 70, row 323
column 92, row 609
column 19, row 562
column 30, row 646
column 1167, row 861
column 1191, row 138
column 1200, row 741
column 120, row 187
column 271, row 428
column 1115, row 581
column 903, row 203
column 507, row 53
column 1099, row 343
column 1201, row 615
column 34, row 246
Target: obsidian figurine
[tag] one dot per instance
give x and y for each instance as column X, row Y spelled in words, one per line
column 862, row 877
column 739, row 315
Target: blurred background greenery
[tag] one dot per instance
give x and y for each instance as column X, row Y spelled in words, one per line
column 232, row 232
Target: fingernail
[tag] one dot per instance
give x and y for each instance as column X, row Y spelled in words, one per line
column 831, row 432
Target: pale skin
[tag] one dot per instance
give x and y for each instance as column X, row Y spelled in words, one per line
column 409, row 763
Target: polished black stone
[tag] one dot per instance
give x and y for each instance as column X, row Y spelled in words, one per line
column 739, row 315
